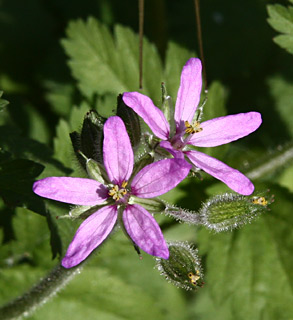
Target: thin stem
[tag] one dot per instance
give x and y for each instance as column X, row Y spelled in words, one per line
column 141, row 22
column 39, row 294
column 272, row 165
column 200, row 44
column 187, row 216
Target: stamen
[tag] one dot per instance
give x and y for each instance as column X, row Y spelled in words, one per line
column 194, row 277
column 192, row 128
column 261, row 201
column 117, row 193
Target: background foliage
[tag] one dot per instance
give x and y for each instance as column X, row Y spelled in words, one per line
column 58, row 59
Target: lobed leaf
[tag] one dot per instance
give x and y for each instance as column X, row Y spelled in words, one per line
column 281, row 19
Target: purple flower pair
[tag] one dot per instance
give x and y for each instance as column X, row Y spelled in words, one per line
column 151, row 181
column 210, row 133
column 114, row 198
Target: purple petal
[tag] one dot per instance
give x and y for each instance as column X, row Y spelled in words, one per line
column 231, row 177
column 71, row 190
column 175, row 153
column 188, row 95
column 144, row 231
column 91, row 233
column 223, row 130
column 118, row 154
column 159, row 177
column 151, row 115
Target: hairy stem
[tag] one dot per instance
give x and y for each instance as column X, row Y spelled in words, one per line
column 38, row 295
column 273, row 164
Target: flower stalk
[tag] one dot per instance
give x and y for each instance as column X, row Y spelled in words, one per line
column 39, row 294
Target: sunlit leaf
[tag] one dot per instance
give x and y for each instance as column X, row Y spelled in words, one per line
column 281, row 19
column 102, row 63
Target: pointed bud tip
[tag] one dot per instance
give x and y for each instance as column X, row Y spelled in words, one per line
column 183, row 268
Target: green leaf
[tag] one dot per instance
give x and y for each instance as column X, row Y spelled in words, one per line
column 62, row 143
column 16, row 179
column 281, row 19
column 102, row 63
column 60, row 97
column 108, row 288
column 13, row 141
column 249, row 273
column 282, row 94
column 32, row 245
column 3, row 103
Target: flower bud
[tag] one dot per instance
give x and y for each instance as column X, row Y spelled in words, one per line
column 168, row 108
column 183, row 268
column 229, row 211
column 131, row 121
column 153, row 205
column 90, row 140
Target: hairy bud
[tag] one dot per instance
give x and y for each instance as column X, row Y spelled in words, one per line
column 183, row 268
column 131, row 121
column 229, row 210
column 90, row 140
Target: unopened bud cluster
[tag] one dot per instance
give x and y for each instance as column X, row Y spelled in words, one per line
column 183, row 268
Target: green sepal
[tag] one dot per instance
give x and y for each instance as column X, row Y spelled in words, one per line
column 131, row 121
column 229, row 211
column 90, row 140
column 183, row 268
column 168, row 109
column 154, row 205
column 97, row 171
column 83, row 212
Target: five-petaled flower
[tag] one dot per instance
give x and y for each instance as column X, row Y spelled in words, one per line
column 151, row 181
column 210, row 133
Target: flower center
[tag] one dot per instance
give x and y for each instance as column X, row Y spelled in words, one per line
column 192, row 128
column 118, row 193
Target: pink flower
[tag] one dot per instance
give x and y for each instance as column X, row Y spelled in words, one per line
column 152, row 181
column 210, row 133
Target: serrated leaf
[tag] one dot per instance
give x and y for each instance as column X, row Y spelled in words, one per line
column 249, row 272
column 285, row 42
column 281, row 19
column 102, row 63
